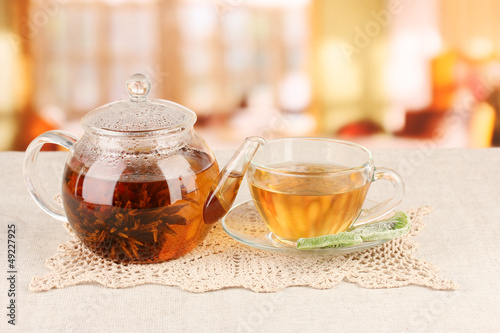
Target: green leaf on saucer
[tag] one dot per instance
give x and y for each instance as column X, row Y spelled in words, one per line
column 396, row 226
column 341, row 239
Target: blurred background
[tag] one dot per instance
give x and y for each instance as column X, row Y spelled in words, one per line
column 385, row 73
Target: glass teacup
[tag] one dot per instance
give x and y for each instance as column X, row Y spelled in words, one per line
column 308, row 187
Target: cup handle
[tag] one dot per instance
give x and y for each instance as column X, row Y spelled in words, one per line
column 38, row 193
column 377, row 211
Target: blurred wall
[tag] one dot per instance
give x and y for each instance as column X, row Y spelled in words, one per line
column 15, row 80
column 397, row 68
column 350, row 46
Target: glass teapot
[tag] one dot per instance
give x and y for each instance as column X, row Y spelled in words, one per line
column 140, row 185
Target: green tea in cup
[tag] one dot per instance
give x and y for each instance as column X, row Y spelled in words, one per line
column 307, row 187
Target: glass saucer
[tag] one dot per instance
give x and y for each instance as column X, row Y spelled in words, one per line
column 244, row 224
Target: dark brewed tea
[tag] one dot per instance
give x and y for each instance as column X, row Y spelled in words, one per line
column 221, row 198
column 140, row 216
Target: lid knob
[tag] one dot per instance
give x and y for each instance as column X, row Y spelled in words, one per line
column 138, row 87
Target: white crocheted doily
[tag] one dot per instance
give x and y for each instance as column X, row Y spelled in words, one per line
column 221, row 262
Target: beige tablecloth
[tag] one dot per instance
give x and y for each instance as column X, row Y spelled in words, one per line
column 462, row 237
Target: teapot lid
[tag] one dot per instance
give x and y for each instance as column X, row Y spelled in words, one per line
column 139, row 114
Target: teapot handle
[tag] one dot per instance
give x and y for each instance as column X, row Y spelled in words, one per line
column 37, row 191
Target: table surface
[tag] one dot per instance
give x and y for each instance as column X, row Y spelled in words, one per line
column 461, row 237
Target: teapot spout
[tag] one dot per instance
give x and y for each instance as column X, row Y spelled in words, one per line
column 226, row 185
